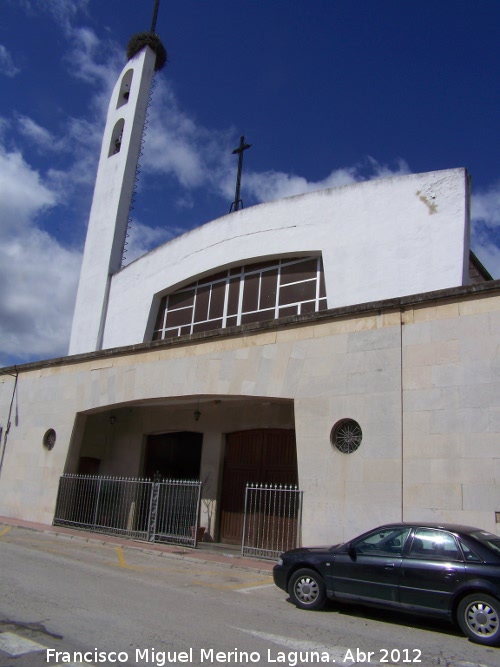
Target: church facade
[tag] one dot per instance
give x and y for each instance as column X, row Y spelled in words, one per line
column 345, row 341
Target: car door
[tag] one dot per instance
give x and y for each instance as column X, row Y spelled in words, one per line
column 431, row 571
column 367, row 569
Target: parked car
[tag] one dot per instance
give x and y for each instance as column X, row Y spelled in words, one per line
column 441, row 570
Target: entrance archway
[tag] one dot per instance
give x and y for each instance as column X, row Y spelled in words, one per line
column 260, row 456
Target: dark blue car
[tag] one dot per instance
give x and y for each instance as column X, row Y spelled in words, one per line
column 433, row 569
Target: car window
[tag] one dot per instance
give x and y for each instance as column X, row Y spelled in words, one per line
column 490, row 540
column 434, row 545
column 470, row 555
column 383, row 542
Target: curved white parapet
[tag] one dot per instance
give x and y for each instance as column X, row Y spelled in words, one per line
column 379, row 239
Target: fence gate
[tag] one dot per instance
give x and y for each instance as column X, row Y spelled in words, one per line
column 273, row 520
column 166, row 511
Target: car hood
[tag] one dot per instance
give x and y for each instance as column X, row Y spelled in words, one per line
column 312, row 550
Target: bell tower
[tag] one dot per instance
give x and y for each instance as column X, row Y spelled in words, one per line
column 114, row 188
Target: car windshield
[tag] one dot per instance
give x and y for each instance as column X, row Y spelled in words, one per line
column 488, row 539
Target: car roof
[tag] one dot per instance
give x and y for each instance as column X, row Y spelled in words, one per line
column 451, row 527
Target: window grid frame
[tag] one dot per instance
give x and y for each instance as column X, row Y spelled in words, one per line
column 241, row 274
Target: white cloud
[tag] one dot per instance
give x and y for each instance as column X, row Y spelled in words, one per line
column 62, row 11
column 36, row 133
column 7, row 66
column 485, row 215
column 174, row 145
column 38, row 276
column 22, row 193
column 486, row 206
column 275, row 185
column 142, row 238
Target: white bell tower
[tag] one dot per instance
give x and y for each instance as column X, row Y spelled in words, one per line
column 114, row 188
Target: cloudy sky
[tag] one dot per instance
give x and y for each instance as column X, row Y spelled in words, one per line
column 328, row 92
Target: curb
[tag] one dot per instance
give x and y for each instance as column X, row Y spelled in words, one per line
column 204, row 556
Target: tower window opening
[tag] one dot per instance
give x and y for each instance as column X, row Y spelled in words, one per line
column 116, row 138
column 124, row 94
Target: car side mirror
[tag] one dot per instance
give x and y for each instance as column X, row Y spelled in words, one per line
column 351, row 550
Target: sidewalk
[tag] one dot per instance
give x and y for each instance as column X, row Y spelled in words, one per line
column 217, row 554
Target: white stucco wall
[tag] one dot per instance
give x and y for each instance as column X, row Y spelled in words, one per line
column 379, row 239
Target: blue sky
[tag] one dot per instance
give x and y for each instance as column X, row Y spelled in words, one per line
column 328, row 92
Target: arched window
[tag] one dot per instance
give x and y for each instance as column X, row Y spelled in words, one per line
column 244, row 294
column 116, row 138
column 125, row 88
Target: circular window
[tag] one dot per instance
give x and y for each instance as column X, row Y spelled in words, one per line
column 346, row 436
column 49, row 439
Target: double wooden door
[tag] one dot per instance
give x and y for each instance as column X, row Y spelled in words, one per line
column 263, row 456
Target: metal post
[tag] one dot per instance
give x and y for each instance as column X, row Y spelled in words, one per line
column 97, row 502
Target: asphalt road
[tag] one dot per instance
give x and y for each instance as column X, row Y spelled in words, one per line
column 120, row 605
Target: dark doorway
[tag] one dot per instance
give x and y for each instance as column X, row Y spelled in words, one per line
column 173, row 455
column 88, row 465
column 264, row 456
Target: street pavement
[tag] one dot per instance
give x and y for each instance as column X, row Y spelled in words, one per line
column 66, row 594
column 226, row 555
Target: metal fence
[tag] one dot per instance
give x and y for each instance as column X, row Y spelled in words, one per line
column 273, row 520
column 166, row 511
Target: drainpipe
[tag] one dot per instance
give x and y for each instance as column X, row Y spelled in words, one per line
column 7, row 428
column 401, row 325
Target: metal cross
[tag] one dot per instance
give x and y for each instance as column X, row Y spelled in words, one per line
column 239, row 152
column 155, row 16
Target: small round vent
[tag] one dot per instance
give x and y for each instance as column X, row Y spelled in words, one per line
column 346, row 436
column 49, row 439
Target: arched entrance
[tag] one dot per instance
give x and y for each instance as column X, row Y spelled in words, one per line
column 260, row 456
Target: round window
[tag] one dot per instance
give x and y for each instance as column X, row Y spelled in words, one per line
column 346, row 436
column 49, row 439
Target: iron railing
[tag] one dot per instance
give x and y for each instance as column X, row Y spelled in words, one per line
column 273, row 520
column 166, row 511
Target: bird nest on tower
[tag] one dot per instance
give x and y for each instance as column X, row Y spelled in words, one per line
column 142, row 39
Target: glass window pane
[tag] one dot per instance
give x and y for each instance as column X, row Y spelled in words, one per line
column 297, row 292
column 299, row 271
column 217, row 300
column 207, row 326
column 434, row 545
column 201, row 308
column 469, row 554
column 259, row 316
column 233, row 297
column 251, row 292
column 268, row 288
column 386, row 542
column 287, row 311
column 177, row 317
column 181, row 299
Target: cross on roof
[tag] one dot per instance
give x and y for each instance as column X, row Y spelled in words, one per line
column 239, row 152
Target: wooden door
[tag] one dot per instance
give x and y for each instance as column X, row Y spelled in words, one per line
column 263, row 456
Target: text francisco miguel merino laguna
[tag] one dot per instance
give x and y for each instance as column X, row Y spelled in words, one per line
column 190, row 656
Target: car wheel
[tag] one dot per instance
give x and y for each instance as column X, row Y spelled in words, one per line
column 479, row 618
column 307, row 589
